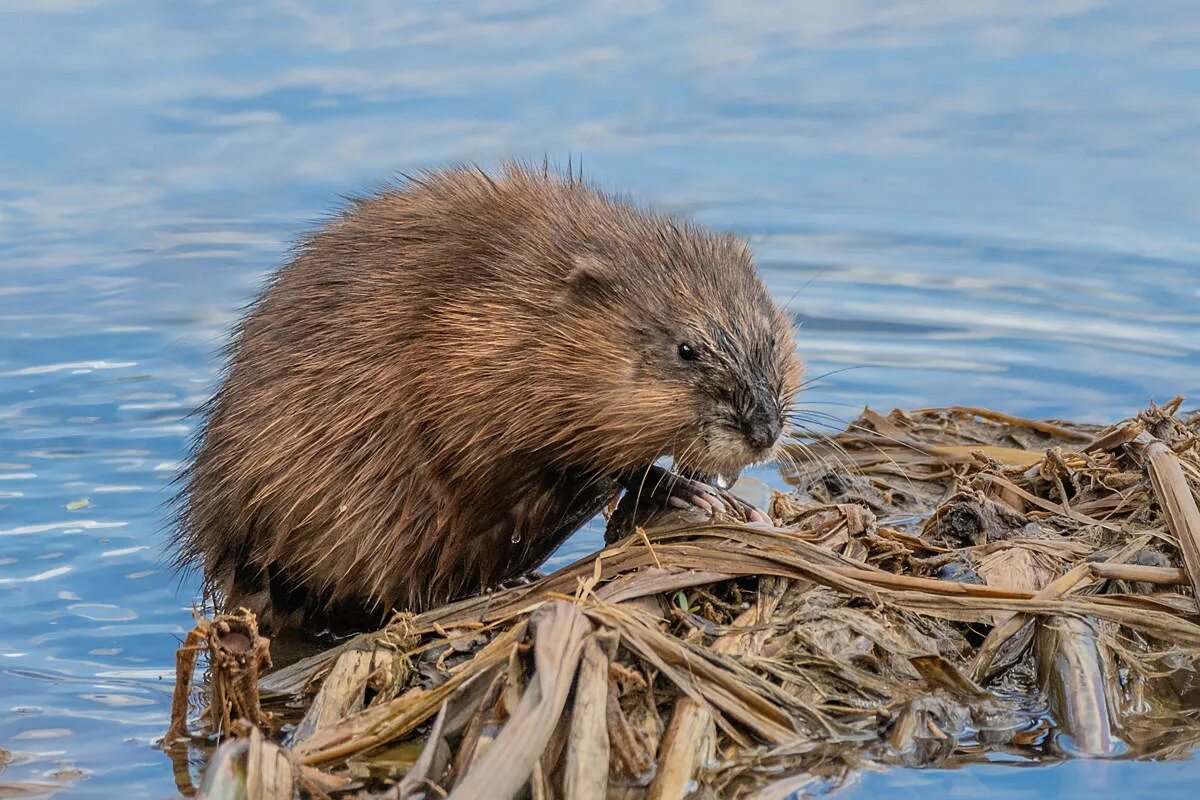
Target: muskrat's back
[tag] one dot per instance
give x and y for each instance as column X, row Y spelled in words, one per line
column 453, row 375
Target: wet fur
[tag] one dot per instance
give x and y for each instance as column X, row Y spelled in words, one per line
column 445, row 381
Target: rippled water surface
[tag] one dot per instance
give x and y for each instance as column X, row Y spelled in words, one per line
column 991, row 203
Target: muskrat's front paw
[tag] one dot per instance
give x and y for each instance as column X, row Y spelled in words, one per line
column 723, row 502
column 657, row 488
column 685, row 494
column 714, row 499
column 753, row 514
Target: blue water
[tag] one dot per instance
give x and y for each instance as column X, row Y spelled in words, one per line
column 989, row 203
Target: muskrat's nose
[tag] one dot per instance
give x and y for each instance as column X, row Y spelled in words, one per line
column 762, row 429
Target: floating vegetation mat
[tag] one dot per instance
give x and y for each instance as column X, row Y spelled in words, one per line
column 943, row 586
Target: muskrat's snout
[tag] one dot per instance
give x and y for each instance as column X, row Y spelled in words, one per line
column 731, row 439
column 758, row 434
column 762, row 421
column 762, row 429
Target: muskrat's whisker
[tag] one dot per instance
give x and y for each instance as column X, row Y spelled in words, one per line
column 818, row 418
column 842, row 460
column 817, row 276
column 783, row 458
column 831, row 441
column 840, row 404
column 808, row 383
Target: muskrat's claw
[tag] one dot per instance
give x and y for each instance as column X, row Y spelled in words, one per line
column 712, row 498
column 732, row 504
column 758, row 516
column 697, row 495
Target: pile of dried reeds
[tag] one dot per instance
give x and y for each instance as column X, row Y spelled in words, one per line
column 943, row 585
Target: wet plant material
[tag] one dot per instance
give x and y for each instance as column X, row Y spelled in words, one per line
column 942, row 587
column 236, row 656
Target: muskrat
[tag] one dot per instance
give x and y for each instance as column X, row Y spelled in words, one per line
column 457, row 372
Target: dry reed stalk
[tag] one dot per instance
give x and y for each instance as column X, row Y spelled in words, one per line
column 559, row 630
column 1080, row 682
column 389, row 721
column 871, row 634
column 586, row 771
column 343, row 690
column 1057, row 431
column 249, row 768
column 1178, row 504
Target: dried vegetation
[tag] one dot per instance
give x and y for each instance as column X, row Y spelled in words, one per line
column 941, row 587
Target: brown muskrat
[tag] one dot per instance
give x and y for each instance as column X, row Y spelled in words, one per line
column 456, row 373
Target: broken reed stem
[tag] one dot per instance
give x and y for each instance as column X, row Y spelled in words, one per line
column 237, row 655
column 1075, row 676
column 185, row 668
column 1009, row 419
column 1178, row 505
column 586, row 774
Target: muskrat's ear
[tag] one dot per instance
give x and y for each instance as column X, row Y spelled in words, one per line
column 591, row 277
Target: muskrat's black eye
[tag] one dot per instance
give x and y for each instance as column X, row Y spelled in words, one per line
column 687, row 352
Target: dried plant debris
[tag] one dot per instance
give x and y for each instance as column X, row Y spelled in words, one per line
column 237, row 656
column 944, row 586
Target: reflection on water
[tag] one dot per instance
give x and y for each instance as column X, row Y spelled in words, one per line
column 986, row 203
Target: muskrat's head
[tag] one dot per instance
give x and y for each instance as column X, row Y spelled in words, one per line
column 700, row 363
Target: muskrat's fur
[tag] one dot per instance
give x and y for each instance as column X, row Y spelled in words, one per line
column 455, row 374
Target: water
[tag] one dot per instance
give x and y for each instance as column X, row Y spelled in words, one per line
column 988, row 203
